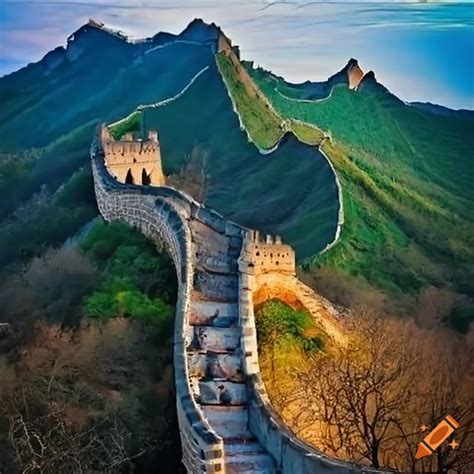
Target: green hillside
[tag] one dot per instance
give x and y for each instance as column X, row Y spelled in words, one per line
column 406, row 177
column 256, row 190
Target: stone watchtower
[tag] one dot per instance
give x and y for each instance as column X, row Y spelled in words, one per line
column 133, row 161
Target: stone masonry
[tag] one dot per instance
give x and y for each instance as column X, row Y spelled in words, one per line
column 226, row 421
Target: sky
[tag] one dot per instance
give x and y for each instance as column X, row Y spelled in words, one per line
column 420, row 50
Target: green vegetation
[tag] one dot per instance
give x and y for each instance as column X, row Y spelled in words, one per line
column 263, row 124
column 406, row 177
column 306, row 133
column 281, row 328
column 39, row 152
column 48, row 220
column 15, row 168
column 135, row 280
column 287, row 337
column 102, row 389
column 131, row 123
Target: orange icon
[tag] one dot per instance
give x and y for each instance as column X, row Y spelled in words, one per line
column 436, row 437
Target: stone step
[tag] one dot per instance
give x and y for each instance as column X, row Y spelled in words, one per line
column 211, row 313
column 215, row 286
column 213, row 365
column 228, row 422
column 208, row 338
column 218, row 321
column 238, row 446
column 248, row 456
column 222, row 393
column 249, row 463
column 216, row 263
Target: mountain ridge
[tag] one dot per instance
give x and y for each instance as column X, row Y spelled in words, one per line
column 196, row 30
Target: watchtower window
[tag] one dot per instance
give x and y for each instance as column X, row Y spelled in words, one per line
column 129, row 177
column 146, row 180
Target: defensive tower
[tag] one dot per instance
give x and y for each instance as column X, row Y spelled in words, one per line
column 133, row 161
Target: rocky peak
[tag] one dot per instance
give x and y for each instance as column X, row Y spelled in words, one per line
column 199, row 30
column 354, row 73
column 90, row 36
column 351, row 64
column 369, row 77
column 95, row 29
column 370, row 84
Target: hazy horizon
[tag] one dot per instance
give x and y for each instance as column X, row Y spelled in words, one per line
column 420, row 51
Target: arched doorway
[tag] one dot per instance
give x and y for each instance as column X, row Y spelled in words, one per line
column 146, row 180
column 129, row 177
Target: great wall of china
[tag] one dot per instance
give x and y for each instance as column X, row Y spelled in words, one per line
column 226, row 421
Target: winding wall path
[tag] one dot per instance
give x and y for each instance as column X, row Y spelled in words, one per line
column 226, row 421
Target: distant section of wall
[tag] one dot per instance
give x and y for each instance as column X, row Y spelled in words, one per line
column 225, row 44
column 133, row 162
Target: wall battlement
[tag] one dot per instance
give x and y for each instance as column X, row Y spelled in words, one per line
column 133, row 162
column 267, row 253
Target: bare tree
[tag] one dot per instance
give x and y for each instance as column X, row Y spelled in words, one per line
column 366, row 402
column 74, row 401
column 58, row 280
column 43, row 438
column 192, row 176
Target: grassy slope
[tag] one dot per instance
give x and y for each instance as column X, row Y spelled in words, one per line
column 131, row 123
column 257, row 116
column 406, row 178
column 266, row 126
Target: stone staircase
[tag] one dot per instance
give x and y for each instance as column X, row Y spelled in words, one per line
column 215, row 355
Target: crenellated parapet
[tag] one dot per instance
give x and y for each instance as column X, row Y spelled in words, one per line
column 267, row 253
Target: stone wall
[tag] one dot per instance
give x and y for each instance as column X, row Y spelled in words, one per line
column 289, row 289
column 164, row 214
